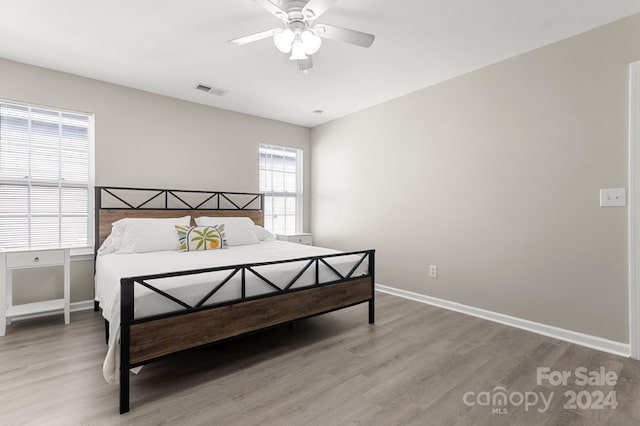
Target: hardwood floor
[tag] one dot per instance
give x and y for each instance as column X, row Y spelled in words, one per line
column 414, row 366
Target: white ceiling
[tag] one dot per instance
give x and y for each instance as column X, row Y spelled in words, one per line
column 168, row 46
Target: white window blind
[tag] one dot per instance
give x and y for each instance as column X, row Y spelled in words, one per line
column 281, row 182
column 45, row 177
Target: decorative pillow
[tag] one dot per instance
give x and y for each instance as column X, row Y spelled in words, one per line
column 142, row 235
column 238, row 230
column 199, row 238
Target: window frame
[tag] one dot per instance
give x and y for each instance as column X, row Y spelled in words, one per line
column 29, row 181
column 299, row 194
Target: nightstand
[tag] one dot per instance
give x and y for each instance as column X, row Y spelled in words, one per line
column 11, row 260
column 300, row 238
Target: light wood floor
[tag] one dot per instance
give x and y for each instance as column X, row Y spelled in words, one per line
column 412, row 367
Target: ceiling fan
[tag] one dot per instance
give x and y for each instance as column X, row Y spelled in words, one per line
column 301, row 36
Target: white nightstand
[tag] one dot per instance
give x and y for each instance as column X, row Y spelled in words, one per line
column 300, row 238
column 11, row 260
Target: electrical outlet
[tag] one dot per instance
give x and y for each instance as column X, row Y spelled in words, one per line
column 433, row 271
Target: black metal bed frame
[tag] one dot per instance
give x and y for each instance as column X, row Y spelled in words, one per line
column 127, row 299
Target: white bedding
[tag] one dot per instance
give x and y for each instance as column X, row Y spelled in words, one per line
column 110, row 268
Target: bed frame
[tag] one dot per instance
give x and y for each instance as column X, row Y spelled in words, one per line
column 147, row 339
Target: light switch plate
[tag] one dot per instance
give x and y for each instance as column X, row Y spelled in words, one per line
column 613, row 197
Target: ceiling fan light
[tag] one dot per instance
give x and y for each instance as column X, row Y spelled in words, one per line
column 297, row 51
column 311, row 42
column 283, row 40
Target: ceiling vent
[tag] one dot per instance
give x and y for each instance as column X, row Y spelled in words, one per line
column 210, row 89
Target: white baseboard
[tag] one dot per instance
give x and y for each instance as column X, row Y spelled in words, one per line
column 84, row 305
column 605, row 345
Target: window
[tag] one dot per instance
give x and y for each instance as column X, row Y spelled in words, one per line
column 45, row 177
column 281, row 183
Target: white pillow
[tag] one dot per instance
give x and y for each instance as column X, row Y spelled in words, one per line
column 141, row 235
column 238, row 231
column 107, row 246
column 113, row 242
column 117, row 232
column 263, row 234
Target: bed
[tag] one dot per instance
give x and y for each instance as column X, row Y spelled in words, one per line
column 158, row 303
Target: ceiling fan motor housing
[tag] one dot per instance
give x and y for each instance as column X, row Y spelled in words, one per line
column 297, row 26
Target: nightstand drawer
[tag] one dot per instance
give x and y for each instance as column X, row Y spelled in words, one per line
column 29, row 259
column 301, row 239
column 304, row 238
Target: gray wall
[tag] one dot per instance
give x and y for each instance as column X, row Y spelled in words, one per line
column 147, row 140
column 494, row 177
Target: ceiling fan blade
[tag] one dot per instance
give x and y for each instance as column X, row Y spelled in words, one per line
column 344, row 34
column 305, row 64
column 254, row 37
column 272, row 9
column 315, row 8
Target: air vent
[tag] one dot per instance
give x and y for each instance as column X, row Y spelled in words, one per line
column 212, row 90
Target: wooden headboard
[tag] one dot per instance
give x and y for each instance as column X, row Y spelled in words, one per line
column 115, row 203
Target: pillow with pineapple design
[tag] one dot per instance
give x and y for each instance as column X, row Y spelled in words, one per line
column 200, row 238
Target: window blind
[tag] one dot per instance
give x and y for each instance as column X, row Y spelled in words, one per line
column 281, row 182
column 45, row 177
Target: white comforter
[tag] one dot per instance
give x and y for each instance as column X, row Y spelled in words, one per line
column 110, row 268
